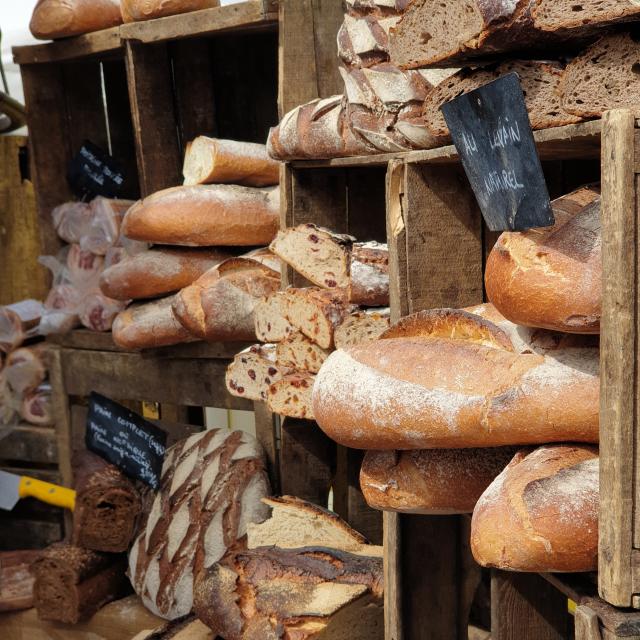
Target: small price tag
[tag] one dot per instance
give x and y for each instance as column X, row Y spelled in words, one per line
column 125, row 439
column 93, row 172
column 491, row 131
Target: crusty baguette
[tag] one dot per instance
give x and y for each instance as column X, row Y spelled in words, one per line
column 149, row 325
column 456, row 388
column 430, row 481
column 157, row 272
column 541, row 512
column 581, row 17
column 297, row 351
column 369, row 274
column 209, row 160
column 362, row 326
column 205, row 215
column 552, row 277
column 291, row 395
column 253, row 371
column 135, row 10
column 53, row 19
column 270, row 315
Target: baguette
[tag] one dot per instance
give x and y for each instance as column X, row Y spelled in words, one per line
column 270, row 315
column 297, row 351
column 209, row 160
column 205, row 215
column 52, row 19
column 552, row 277
column 541, row 513
column 157, row 272
column 291, row 395
column 362, row 326
column 135, row 10
column 449, row 379
column 430, row 481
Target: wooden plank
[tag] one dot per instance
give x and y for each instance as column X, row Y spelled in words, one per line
column 469, row 576
column 21, row 276
column 392, row 567
column 27, row 534
column 61, row 414
column 307, row 461
column 525, row 607
column 153, row 115
column 197, row 382
column 618, row 357
column 328, row 15
column 28, row 443
column 89, row 44
column 266, row 433
column 622, row 623
column 248, row 15
column 397, row 239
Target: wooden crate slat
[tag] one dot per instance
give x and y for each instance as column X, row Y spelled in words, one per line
column 29, row 443
column 266, row 434
column 393, row 579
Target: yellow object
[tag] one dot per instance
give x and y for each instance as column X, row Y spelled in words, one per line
column 47, row 492
column 571, row 606
column 151, row 410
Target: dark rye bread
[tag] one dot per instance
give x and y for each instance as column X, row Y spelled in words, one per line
column 540, row 84
column 583, row 16
column 605, row 76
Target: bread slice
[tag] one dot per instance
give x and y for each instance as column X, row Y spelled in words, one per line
column 369, row 274
column 291, row 396
column 253, row 371
column 210, row 160
column 297, row 351
column 362, row 326
column 270, row 316
column 540, row 84
column 317, row 312
column 318, row 254
column 605, row 76
column 583, row 16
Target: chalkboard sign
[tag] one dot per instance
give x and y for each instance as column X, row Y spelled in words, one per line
column 491, row 131
column 93, row 172
column 125, row 439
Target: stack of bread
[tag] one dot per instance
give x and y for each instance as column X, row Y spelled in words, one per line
column 444, row 400
column 192, row 284
column 301, row 326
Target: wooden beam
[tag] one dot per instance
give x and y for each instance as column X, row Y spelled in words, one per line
column 27, row 443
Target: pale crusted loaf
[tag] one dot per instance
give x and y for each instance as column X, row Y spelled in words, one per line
column 54, row 19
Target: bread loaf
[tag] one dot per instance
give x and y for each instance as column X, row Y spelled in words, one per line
column 107, row 505
column 604, row 76
column 16, row 320
column 205, row 215
column 552, row 277
column 448, row 379
column 211, row 489
column 135, row 10
column 149, row 325
column 297, row 351
column 581, row 17
column 430, row 481
column 541, row 512
column 209, row 160
column 376, row 7
column 16, row 579
column 157, row 272
column 53, row 19
column 369, row 274
column 363, row 40
column 362, row 326
column 291, row 395
column 270, row 316
column 540, row 84
column 306, row 575
column 253, row 371
column 72, row 583
column 219, row 305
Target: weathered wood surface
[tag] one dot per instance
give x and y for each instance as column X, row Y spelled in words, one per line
column 31, row 444
column 392, row 550
column 587, row 624
column 267, row 436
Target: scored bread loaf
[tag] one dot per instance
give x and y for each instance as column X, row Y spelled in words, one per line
column 149, row 325
column 369, row 274
column 541, row 512
column 209, row 160
column 270, row 315
column 205, row 215
column 363, row 40
column 584, row 16
column 211, row 488
column 540, row 83
column 362, row 326
column 450, row 379
column 317, row 312
column 219, row 305
column 604, row 76
column 135, row 10
column 375, row 7
column 53, row 19
column 552, row 277
column 156, row 272
column 253, row 371
column 297, row 351
column 430, row 481
column 291, row 395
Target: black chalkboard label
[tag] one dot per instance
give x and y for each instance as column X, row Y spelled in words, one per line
column 93, row 172
column 491, row 130
column 125, row 439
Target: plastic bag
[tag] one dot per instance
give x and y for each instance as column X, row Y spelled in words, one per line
column 72, row 220
column 36, row 406
column 104, row 229
column 18, row 321
column 25, row 369
column 98, row 312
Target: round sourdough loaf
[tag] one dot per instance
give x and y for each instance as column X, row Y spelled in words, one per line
column 53, row 19
column 541, row 512
column 552, row 277
column 430, row 481
column 212, row 486
column 441, row 383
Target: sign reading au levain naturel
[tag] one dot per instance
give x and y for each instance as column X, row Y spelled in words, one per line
column 125, row 439
column 491, row 131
